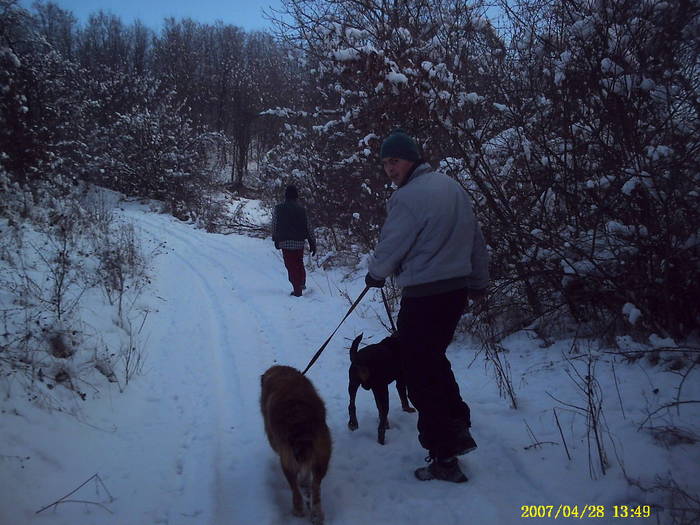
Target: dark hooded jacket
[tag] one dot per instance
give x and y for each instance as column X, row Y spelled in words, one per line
column 290, row 223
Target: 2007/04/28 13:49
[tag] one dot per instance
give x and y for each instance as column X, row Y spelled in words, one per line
column 585, row 511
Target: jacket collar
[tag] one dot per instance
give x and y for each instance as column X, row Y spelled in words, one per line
column 418, row 170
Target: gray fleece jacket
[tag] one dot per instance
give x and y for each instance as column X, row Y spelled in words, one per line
column 431, row 237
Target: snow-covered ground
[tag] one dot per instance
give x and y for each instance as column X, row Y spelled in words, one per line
column 184, row 443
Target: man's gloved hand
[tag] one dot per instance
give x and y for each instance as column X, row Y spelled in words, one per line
column 372, row 282
column 277, row 245
column 478, row 297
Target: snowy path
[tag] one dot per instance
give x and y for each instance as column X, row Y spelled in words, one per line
column 229, row 344
column 184, row 444
column 245, row 322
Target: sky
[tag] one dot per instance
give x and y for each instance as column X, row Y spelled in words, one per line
column 183, row 442
column 242, row 13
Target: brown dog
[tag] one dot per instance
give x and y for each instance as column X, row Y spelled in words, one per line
column 295, row 423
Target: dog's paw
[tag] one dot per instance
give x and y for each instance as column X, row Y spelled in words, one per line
column 352, row 425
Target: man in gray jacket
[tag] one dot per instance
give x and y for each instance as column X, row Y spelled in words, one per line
column 433, row 245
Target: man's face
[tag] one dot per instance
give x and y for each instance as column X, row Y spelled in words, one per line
column 397, row 169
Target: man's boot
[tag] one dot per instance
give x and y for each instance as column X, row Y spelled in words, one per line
column 446, row 469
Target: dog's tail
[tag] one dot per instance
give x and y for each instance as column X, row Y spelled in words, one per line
column 353, row 348
column 302, row 448
column 303, row 427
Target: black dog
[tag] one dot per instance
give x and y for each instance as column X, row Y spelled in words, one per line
column 374, row 367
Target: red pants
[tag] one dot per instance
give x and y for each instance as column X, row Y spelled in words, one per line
column 294, row 262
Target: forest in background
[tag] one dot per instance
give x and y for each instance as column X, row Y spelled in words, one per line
column 572, row 124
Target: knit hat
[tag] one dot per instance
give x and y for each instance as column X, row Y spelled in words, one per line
column 399, row 145
column 291, row 192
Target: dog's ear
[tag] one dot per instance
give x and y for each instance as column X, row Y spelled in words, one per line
column 354, row 347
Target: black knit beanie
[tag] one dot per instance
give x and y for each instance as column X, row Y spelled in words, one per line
column 400, row 146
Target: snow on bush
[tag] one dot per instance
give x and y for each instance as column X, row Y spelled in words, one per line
column 71, row 274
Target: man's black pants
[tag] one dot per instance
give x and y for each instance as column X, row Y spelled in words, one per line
column 426, row 326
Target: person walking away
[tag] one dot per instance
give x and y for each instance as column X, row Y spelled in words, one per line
column 433, row 246
column 290, row 228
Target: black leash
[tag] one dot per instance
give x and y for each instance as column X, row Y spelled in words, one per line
column 316, row 356
column 388, row 312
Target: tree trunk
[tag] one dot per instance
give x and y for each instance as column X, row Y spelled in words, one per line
column 240, row 166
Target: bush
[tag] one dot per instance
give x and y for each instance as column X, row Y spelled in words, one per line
column 574, row 127
column 54, row 257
